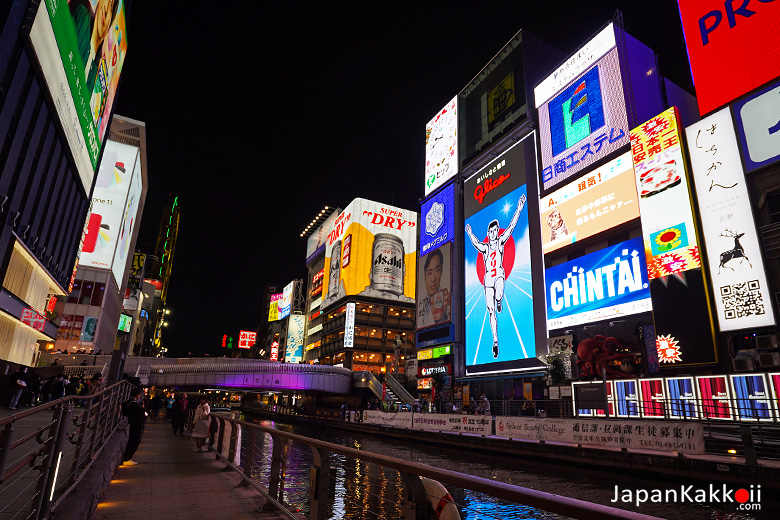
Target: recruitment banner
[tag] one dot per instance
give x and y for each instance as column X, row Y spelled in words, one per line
column 394, row 420
column 482, row 425
column 647, row 435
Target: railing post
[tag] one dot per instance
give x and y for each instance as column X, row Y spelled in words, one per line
column 220, row 441
column 79, row 446
column 319, row 476
column 249, row 459
column 415, row 505
column 276, row 463
column 46, row 465
column 6, row 436
column 750, row 448
column 56, row 458
column 233, row 442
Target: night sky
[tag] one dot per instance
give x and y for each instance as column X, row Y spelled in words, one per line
column 258, row 117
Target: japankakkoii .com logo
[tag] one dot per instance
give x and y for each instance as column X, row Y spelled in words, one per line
column 746, row 499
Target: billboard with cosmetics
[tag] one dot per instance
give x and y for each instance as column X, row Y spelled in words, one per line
column 627, row 397
column 653, row 398
column 681, row 392
column 751, row 397
column 714, row 396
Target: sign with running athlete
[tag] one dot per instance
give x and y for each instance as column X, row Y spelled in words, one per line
column 498, row 287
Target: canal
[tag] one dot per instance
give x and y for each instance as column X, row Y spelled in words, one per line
column 368, row 491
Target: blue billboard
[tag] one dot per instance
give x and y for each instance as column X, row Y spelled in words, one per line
column 610, row 283
column 438, row 220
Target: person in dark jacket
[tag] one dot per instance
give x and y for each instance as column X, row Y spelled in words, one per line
column 180, row 413
column 136, row 418
column 18, row 385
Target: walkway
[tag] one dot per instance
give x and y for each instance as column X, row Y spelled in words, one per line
column 171, row 482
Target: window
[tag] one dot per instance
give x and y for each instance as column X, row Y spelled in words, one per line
column 97, row 294
column 773, row 204
column 73, row 297
column 86, row 293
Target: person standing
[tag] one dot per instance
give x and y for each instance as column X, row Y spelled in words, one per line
column 58, row 387
column 95, row 384
column 136, row 418
column 179, row 414
column 18, row 385
column 201, row 424
column 485, row 405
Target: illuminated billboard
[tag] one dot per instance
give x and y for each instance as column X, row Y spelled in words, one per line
column 751, row 395
column 349, row 326
column 715, row 397
column 315, row 243
column 665, row 202
column 437, row 220
column 441, row 147
column 285, row 304
column 134, row 281
column 371, row 251
column 434, row 282
column 434, row 353
column 273, row 307
column 294, row 346
column 584, row 119
column 81, row 49
column 125, row 322
column 316, row 283
column 246, row 339
column 610, row 283
column 127, row 226
column 682, row 398
column 600, row 200
column 497, row 269
column 107, row 229
column 742, row 297
column 757, row 119
column 733, row 47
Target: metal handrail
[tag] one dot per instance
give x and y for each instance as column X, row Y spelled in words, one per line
column 398, row 389
column 417, row 501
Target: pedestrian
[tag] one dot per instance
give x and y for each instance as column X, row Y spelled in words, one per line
column 136, row 417
column 156, row 405
column 95, row 384
column 18, row 385
column 58, row 387
column 201, row 424
column 472, row 405
column 344, row 411
column 485, row 405
column 179, row 413
column 169, row 407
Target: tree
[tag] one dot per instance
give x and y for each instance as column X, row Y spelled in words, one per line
column 556, row 370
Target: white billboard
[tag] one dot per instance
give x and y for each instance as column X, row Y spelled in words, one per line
column 294, row 346
column 441, row 146
column 742, row 296
column 129, row 221
column 349, row 326
column 285, row 304
column 109, row 206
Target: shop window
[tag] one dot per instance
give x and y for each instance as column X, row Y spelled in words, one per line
column 97, row 294
column 73, row 297
column 86, row 293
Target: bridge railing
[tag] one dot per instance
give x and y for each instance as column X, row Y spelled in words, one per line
column 45, row 451
column 247, row 367
column 236, row 443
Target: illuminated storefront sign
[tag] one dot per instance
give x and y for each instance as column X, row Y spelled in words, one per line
column 757, row 120
column 601, row 200
column 433, row 353
column 430, row 371
column 733, row 47
column 33, row 319
column 739, row 281
column 585, row 119
column 606, row 284
column 668, row 349
column 316, row 283
column 246, row 339
column 425, row 384
column 273, row 307
column 438, row 220
column 349, row 326
column 274, row 355
column 441, row 146
column 285, row 304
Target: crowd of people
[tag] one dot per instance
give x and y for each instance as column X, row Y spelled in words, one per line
column 27, row 389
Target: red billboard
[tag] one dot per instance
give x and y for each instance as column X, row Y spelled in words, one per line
column 733, row 47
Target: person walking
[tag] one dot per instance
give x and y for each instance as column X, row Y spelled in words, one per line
column 18, row 385
column 201, row 424
column 136, row 419
column 179, row 413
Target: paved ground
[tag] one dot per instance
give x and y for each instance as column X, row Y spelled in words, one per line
column 171, row 482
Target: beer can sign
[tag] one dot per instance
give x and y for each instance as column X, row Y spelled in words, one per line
column 387, row 271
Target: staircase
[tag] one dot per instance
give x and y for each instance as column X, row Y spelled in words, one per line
column 394, row 392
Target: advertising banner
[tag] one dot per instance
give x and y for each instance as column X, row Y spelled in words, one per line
column 274, row 354
column 665, row 200
column 584, row 120
column 626, row 398
column 129, row 221
column 315, row 243
column 714, row 396
column 757, row 126
column 600, row 200
column 134, row 282
column 739, row 281
column 316, row 283
column 682, row 398
column 395, row 420
column 81, row 49
column 433, row 353
column 482, row 425
column 90, row 327
column 349, row 326
column 106, row 227
column 428, row 371
column 434, row 299
column 646, row 435
column 441, row 146
column 438, row 220
column 246, row 339
column 589, row 394
column 602, row 285
column 653, row 398
column 273, row 308
column 294, row 346
column 774, row 384
column 732, row 47
column 371, row 251
column 285, row 304
column 751, row 395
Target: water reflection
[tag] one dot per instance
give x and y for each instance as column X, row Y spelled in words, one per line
column 364, row 490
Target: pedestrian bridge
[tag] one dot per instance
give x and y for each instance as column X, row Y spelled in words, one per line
column 250, row 376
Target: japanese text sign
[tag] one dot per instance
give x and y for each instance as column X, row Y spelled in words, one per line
column 438, row 220
column 246, row 339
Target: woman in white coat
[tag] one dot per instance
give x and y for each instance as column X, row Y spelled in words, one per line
column 201, row 423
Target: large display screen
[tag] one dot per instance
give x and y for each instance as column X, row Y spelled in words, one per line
column 441, row 146
column 438, row 220
column 600, row 200
column 584, row 120
column 108, row 228
column 129, row 221
column 294, row 346
column 498, row 286
column 371, row 251
column 434, row 298
column 733, row 47
column 757, row 126
column 610, row 283
column 751, row 395
column 715, row 397
column 742, row 297
column 81, row 49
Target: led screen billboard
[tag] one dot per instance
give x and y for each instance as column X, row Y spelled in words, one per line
column 294, row 346
column 606, row 284
column 585, row 119
column 273, row 307
column 105, row 229
column 739, row 281
column 371, row 251
column 81, row 49
column 757, row 119
column 285, row 304
column 733, row 47
column 434, row 298
column 125, row 322
column 438, row 220
column 441, row 147
column 127, row 226
column 600, row 200
column 497, row 254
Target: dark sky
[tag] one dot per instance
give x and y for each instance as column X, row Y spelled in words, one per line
column 258, row 117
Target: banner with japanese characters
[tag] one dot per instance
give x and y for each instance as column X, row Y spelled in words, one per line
column 739, row 281
column 395, row 420
column 479, row 424
column 646, row 435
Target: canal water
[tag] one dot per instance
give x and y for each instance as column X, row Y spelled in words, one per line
column 367, row 491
